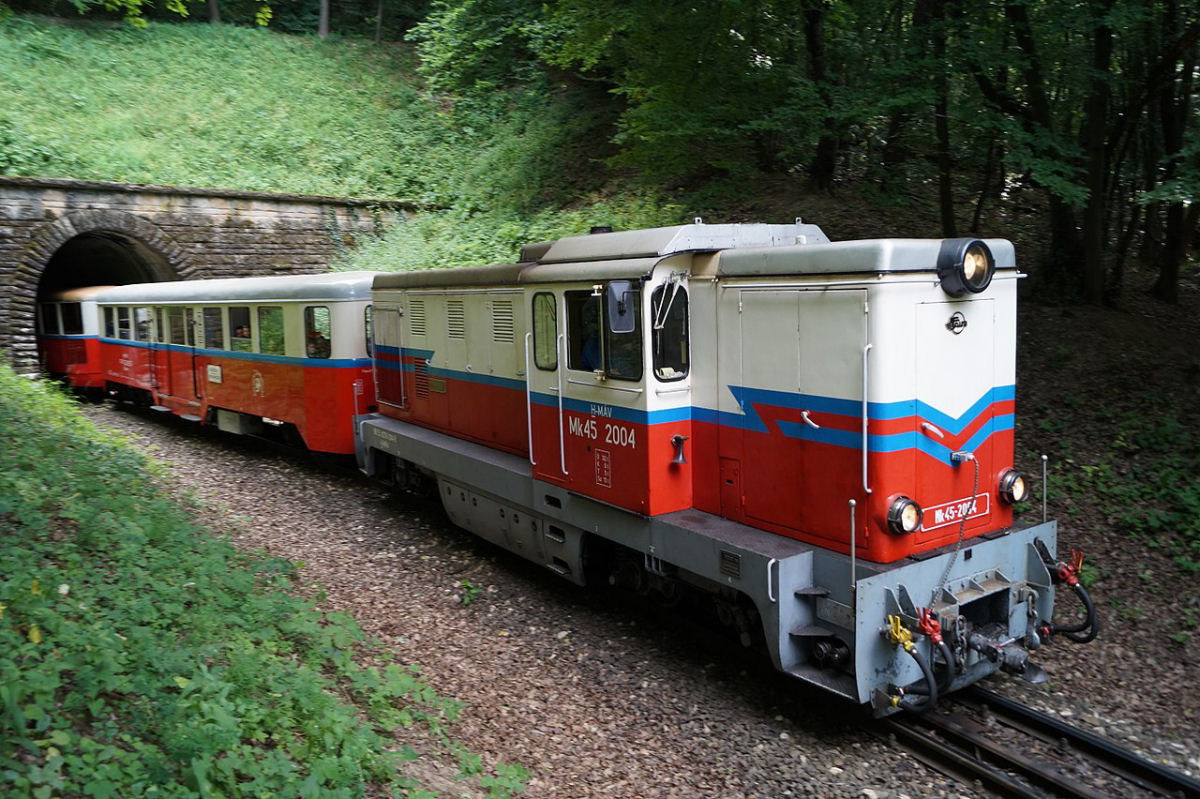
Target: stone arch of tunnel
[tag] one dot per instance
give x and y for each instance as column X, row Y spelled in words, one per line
column 88, row 248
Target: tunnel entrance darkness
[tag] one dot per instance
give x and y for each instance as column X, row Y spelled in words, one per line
column 100, row 258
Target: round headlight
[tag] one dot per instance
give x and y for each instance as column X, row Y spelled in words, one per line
column 965, row 266
column 904, row 516
column 1014, row 486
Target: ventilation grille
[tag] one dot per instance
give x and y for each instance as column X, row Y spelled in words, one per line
column 416, row 317
column 502, row 321
column 421, row 378
column 456, row 319
column 731, row 564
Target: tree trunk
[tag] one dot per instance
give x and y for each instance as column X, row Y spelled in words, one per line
column 941, row 122
column 379, row 22
column 1096, row 138
column 214, row 12
column 1175, row 111
column 323, row 20
column 824, row 162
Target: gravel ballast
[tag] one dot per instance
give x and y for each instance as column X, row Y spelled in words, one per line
column 595, row 698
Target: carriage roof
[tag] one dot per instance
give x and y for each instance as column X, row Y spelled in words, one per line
column 81, row 294
column 328, row 287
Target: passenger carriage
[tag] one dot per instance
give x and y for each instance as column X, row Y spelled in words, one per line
column 245, row 354
column 818, row 434
column 68, row 337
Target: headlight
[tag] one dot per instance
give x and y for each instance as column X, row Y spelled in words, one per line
column 1014, row 486
column 904, row 516
column 965, row 266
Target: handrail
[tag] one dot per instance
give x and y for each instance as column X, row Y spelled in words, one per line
column 529, row 397
column 866, row 384
column 562, row 444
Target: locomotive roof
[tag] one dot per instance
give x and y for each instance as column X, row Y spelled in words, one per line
column 608, row 256
column 331, row 286
column 844, row 257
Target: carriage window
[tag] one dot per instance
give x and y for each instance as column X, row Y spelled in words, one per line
column 175, row 325
column 110, row 322
column 270, row 330
column 670, row 334
column 49, row 318
column 189, row 324
column 161, row 324
column 72, row 318
column 316, row 331
column 239, row 320
column 214, row 329
column 124, row 329
column 545, row 331
column 141, row 324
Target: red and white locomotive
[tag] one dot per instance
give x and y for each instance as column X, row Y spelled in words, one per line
column 817, row 435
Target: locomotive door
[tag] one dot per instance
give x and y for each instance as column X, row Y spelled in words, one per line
column 389, row 360
column 801, row 396
column 544, row 380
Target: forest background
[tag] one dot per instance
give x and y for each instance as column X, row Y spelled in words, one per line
column 1068, row 126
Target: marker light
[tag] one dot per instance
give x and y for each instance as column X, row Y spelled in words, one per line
column 965, row 266
column 1014, row 486
column 904, row 516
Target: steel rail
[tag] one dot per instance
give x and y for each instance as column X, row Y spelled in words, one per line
column 961, row 746
column 1145, row 774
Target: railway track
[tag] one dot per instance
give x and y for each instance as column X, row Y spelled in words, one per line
column 1016, row 751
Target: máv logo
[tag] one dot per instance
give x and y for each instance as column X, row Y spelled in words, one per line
column 957, row 323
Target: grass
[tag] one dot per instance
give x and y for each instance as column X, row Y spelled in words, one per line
column 141, row 655
column 217, row 106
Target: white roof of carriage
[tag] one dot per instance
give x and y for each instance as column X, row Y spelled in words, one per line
column 328, row 287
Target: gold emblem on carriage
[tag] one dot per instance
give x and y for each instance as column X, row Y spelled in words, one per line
column 257, row 387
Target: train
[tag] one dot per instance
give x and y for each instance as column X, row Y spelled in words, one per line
column 815, row 437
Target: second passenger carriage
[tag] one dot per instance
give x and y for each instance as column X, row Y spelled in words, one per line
column 288, row 351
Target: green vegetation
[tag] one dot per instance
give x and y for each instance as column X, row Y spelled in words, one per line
column 143, row 656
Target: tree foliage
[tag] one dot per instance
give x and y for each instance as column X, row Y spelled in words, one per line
column 1088, row 105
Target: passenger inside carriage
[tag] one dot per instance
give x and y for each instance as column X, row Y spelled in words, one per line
column 318, row 345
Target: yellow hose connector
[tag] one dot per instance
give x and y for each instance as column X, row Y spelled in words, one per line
column 899, row 634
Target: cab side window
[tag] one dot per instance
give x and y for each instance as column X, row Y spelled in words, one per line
column 545, row 331
column 124, row 329
column 593, row 347
column 316, row 331
column 110, row 322
column 669, row 338
column 623, row 351
column 585, row 322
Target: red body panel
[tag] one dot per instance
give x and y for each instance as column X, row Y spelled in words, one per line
column 320, row 400
column 76, row 357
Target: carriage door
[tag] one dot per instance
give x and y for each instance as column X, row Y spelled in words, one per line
column 389, row 362
column 801, row 398
column 160, row 354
